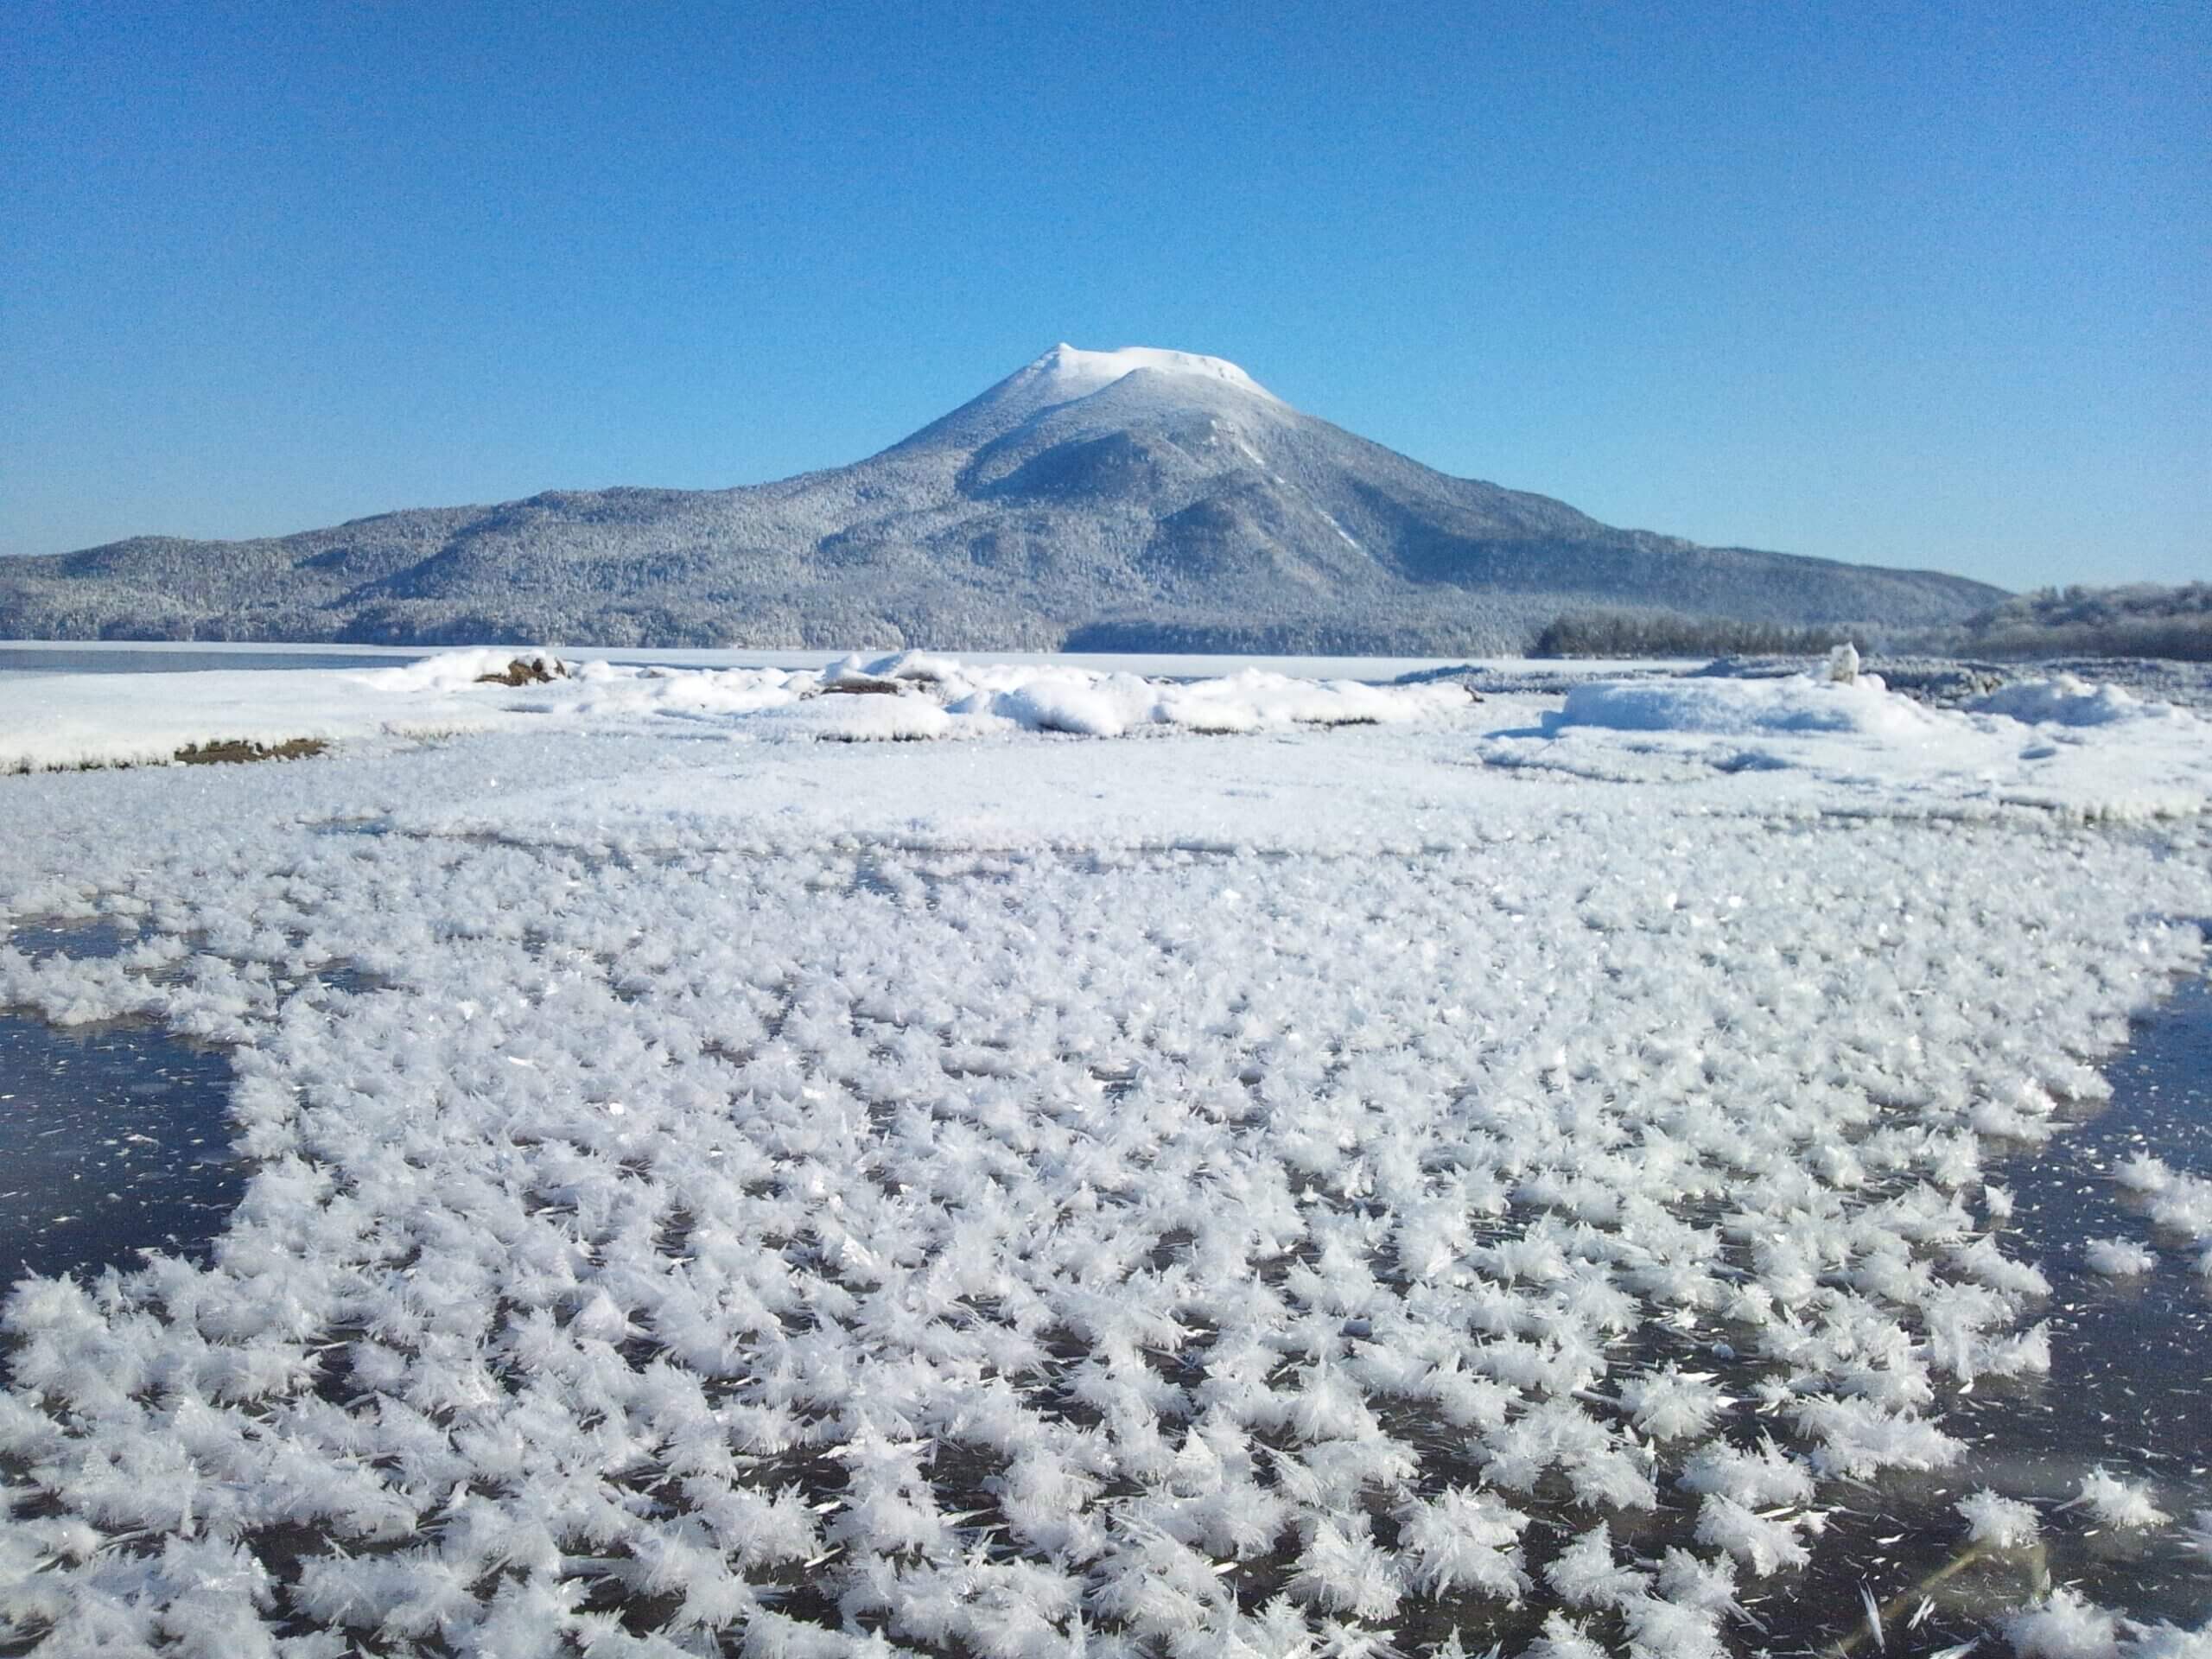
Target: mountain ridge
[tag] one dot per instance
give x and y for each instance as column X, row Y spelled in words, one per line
column 1130, row 497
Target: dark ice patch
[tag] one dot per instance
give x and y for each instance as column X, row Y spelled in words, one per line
column 113, row 1140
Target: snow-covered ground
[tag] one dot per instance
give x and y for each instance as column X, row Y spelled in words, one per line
column 55, row 721
column 1268, row 1166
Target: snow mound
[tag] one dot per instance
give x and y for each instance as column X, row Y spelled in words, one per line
column 2070, row 700
column 1745, row 708
column 454, row 671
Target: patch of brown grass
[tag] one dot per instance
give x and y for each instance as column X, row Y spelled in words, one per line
column 238, row 750
column 527, row 671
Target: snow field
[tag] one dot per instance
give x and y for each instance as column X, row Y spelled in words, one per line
column 58, row 721
column 2057, row 745
column 1429, row 1200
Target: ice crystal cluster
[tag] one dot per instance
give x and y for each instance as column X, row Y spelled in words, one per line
column 1305, row 1192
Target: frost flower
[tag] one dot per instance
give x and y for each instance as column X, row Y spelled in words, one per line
column 2120, row 1503
column 2117, row 1258
column 2000, row 1522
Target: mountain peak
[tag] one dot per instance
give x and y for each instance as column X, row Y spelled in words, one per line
column 1138, row 498
column 1093, row 371
column 1068, row 374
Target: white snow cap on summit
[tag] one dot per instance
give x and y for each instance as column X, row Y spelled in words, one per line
column 1095, row 370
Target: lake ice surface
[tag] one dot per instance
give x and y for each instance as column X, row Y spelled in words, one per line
column 113, row 1140
column 1239, row 1185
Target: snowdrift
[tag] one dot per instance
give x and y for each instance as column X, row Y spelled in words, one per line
column 1798, row 704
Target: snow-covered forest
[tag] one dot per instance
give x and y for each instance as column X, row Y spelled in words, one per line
column 2138, row 619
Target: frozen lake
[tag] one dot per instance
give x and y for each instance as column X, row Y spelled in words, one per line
column 1296, row 1166
column 133, row 657
column 41, row 657
column 111, row 1142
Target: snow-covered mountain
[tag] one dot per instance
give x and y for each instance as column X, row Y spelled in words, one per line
column 1092, row 499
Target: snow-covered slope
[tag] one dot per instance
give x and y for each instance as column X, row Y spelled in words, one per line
column 1125, row 499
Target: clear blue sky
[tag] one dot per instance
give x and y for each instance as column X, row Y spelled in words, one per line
column 1913, row 284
